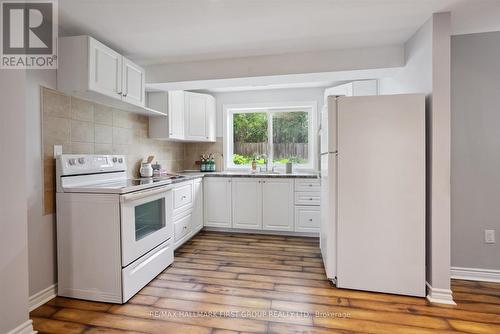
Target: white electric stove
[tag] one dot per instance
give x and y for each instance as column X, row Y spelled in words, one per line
column 114, row 234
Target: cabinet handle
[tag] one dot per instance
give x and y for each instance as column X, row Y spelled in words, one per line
column 310, row 219
column 125, row 94
column 310, row 199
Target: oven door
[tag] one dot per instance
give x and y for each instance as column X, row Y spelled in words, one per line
column 146, row 221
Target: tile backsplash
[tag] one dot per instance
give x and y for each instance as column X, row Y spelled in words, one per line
column 193, row 151
column 84, row 127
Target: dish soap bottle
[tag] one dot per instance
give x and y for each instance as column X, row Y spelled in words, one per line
column 212, row 163
column 254, row 165
column 203, row 165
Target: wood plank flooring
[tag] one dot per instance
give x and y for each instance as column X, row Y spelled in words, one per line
column 223, row 283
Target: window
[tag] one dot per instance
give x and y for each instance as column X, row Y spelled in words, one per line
column 277, row 133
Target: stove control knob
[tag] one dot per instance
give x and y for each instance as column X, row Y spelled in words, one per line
column 120, row 160
column 72, row 162
column 115, row 159
column 81, row 161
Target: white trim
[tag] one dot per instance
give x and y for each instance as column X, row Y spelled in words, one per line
column 42, row 297
column 476, row 274
column 439, row 296
column 24, row 328
column 229, row 109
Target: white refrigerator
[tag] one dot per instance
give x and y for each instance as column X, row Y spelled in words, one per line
column 373, row 192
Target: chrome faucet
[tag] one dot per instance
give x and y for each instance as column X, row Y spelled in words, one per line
column 266, row 162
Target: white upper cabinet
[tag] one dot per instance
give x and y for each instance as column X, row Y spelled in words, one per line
column 133, row 83
column 89, row 69
column 277, row 204
column 196, row 116
column 211, row 117
column 190, row 116
column 247, row 203
column 176, row 114
column 105, row 69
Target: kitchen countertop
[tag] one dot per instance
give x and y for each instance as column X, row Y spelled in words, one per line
column 197, row 174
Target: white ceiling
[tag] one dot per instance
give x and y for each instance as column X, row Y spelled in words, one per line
column 161, row 31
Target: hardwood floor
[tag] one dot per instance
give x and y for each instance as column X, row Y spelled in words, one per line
column 225, row 283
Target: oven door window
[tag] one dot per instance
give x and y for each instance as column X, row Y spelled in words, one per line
column 149, row 218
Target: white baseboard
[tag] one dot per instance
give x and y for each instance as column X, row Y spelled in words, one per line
column 24, row 328
column 42, row 297
column 476, row 274
column 282, row 233
column 439, row 296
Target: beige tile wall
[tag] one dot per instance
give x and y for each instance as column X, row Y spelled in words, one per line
column 85, row 127
column 193, row 151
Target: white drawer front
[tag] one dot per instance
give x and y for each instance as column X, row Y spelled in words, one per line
column 307, row 185
column 139, row 273
column 307, row 198
column 307, row 219
column 183, row 197
column 182, row 227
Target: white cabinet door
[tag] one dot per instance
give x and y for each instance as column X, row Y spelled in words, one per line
column 197, row 222
column 134, row 81
column 217, row 196
column 105, row 69
column 277, row 204
column 247, row 203
column 196, row 116
column 211, row 118
column 176, row 114
column 307, row 219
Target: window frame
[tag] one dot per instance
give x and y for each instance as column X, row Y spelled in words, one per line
column 309, row 106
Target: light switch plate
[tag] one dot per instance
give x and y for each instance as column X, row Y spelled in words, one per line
column 57, row 150
column 489, row 236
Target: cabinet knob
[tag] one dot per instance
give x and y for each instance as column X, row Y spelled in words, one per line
column 310, row 219
column 310, row 199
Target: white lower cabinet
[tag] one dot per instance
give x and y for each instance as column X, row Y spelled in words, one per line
column 307, row 205
column 307, row 219
column 270, row 204
column 247, row 203
column 182, row 227
column 188, row 210
column 217, row 200
column 197, row 205
column 277, row 204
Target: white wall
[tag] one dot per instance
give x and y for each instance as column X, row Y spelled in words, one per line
column 427, row 70
column 475, row 164
column 41, row 229
column 13, row 217
column 416, row 75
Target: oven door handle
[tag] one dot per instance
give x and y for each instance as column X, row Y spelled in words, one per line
column 144, row 193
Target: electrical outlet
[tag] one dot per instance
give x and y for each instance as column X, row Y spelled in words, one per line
column 57, row 150
column 489, row 236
